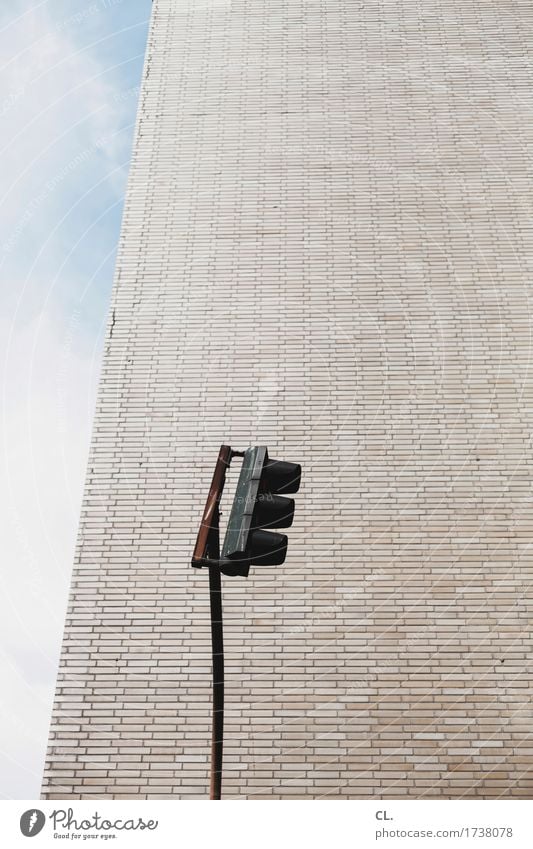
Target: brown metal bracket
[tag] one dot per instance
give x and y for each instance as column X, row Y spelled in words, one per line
column 207, row 553
column 203, row 554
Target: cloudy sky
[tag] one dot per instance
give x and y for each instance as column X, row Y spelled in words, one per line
column 69, row 88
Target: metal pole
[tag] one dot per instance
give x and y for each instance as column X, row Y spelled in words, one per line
column 207, row 553
column 217, row 737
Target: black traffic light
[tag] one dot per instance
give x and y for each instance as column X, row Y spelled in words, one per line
column 260, row 502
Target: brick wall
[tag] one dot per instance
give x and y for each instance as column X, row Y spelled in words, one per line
column 326, row 248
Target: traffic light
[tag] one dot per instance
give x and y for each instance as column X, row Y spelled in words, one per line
column 260, row 502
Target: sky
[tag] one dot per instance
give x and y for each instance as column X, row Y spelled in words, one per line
column 69, row 88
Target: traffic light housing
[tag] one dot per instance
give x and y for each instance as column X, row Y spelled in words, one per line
column 260, row 503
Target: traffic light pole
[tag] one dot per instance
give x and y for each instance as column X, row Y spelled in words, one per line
column 245, row 543
column 217, row 645
column 207, row 553
column 217, row 650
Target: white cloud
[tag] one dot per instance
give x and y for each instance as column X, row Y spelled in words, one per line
column 62, row 120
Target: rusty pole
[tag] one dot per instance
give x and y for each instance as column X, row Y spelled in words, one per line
column 207, row 553
column 217, row 646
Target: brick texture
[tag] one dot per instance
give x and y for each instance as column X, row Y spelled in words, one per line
column 326, row 248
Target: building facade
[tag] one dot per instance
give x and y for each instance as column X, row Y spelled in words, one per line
column 326, row 249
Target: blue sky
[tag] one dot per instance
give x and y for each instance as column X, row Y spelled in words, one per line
column 69, row 88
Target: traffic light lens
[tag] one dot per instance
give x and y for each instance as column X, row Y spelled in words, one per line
column 279, row 476
column 267, row 548
column 273, row 511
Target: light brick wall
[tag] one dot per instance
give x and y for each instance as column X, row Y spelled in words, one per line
column 326, row 248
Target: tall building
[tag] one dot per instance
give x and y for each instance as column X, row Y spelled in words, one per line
column 325, row 249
